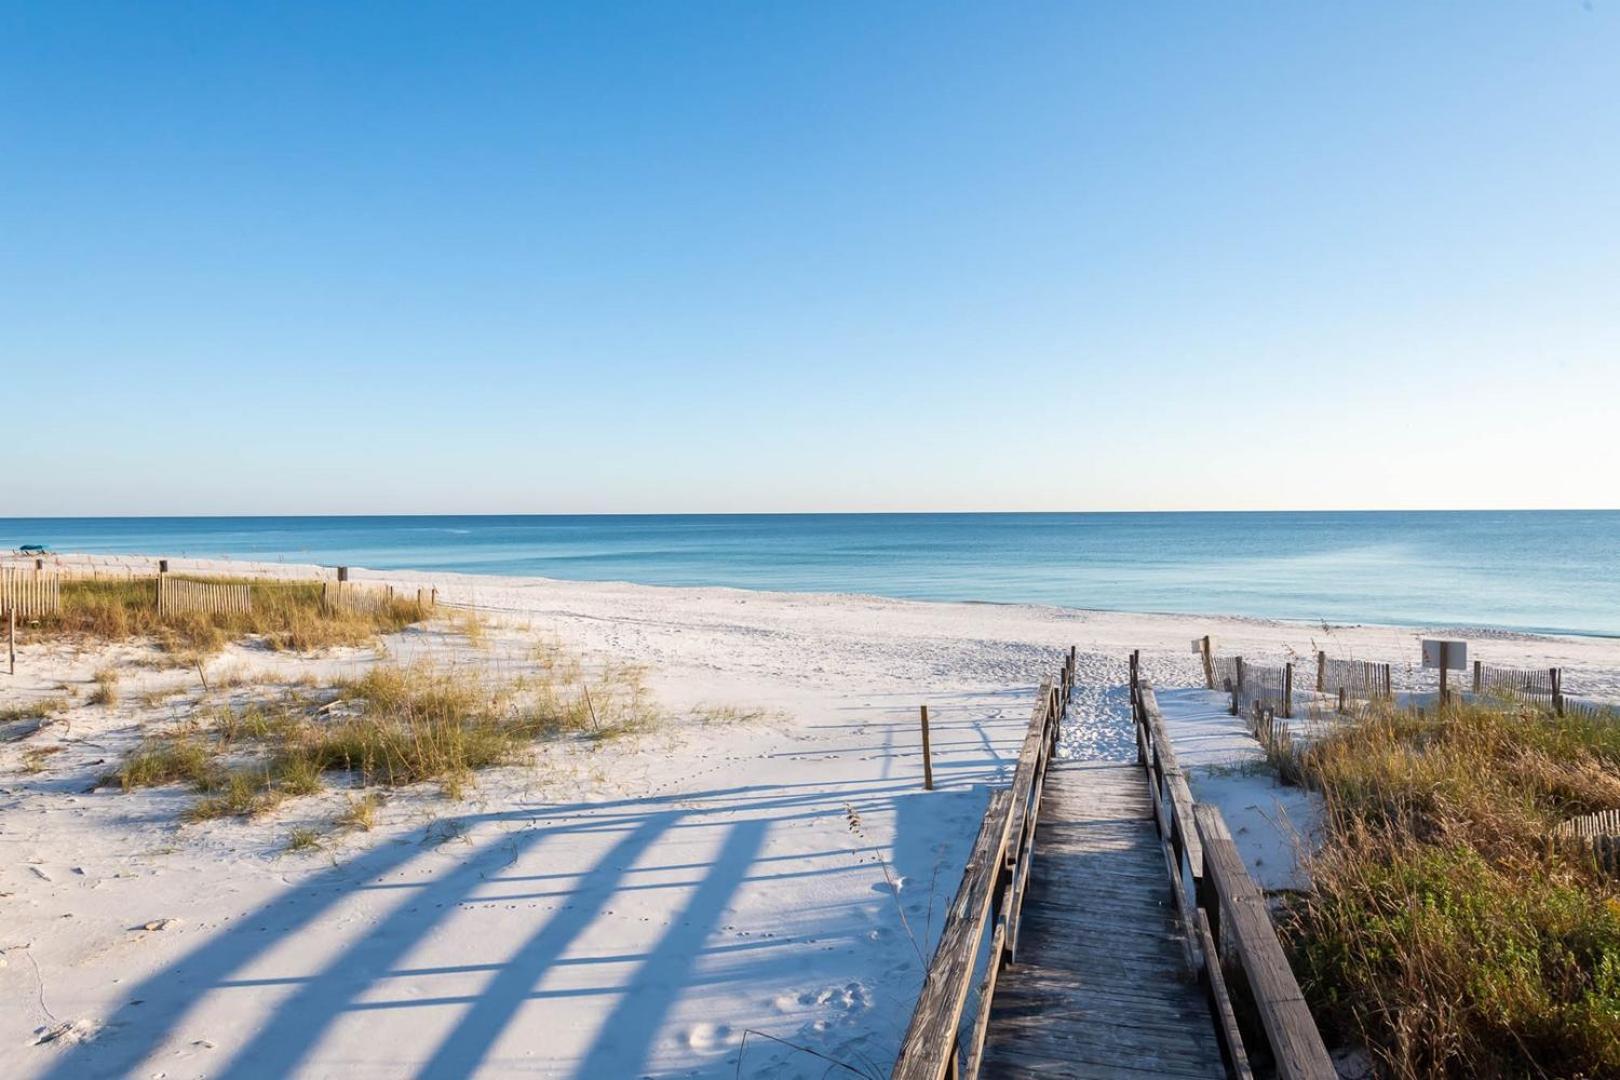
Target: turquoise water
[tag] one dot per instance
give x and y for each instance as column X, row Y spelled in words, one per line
column 1527, row 570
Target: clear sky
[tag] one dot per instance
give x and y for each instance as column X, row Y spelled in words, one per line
column 525, row 257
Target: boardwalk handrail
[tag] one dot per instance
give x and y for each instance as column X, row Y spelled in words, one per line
column 1227, row 914
column 990, row 895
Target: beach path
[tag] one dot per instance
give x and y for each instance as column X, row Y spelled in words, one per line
column 1100, row 986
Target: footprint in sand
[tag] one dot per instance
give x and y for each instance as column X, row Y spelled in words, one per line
column 708, row 1037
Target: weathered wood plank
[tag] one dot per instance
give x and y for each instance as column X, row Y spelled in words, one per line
column 1101, row 988
column 1244, row 921
column 929, row 1048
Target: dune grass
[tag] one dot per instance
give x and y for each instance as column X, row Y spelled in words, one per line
column 1446, row 929
column 43, row 709
column 392, row 726
column 286, row 615
column 106, row 691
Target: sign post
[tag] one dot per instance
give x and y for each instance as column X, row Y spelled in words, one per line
column 1447, row 656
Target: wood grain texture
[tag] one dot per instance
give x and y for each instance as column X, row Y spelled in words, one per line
column 1101, row 986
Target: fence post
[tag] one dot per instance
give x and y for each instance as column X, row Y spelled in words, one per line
column 11, row 638
column 1288, row 690
column 1209, row 662
column 1321, row 671
column 928, row 756
column 1557, row 690
column 160, row 593
column 1341, row 701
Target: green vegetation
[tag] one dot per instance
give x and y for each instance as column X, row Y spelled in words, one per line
column 302, row 839
column 287, row 615
column 1446, row 928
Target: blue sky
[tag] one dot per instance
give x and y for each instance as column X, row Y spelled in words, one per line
column 837, row 256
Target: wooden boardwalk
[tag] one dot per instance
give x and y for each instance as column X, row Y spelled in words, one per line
column 1100, row 984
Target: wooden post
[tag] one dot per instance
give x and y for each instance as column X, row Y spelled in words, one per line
column 39, row 564
column 1557, row 690
column 343, row 573
column 1237, row 683
column 1479, row 678
column 1341, row 701
column 1321, row 672
column 160, row 594
column 928, row 756
column 163, row 566
column 1445, row 667
column 1207, row 649
column 1288, row 690
column 11, row 638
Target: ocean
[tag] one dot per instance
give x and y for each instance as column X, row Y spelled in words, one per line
column 1548, row 571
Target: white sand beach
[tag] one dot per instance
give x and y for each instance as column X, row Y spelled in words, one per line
column 755, row 895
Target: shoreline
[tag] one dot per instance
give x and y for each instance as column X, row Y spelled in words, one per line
column 843, row 623
column 274, row 568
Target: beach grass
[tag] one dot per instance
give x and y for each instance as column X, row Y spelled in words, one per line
column 1447, row 929
column 43, row 709
column 285, row 615
column 390, row 727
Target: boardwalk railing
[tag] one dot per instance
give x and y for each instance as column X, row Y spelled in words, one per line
column 29, row 593
column 988, row 900
column 178, row 595
column 1226, row 914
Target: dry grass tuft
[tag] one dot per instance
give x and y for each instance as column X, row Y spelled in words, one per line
column 35, row 758
column 106, row 691
column 361, row 812
column 34, row 710
column 303, row 839
column 1446, row 928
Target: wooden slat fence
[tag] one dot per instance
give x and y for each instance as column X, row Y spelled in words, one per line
column 1270, row 686
column 180, row 595
column 30, row 593
column 1227, row 913
column 1535, row 685
column 1360, row 679
column 988, row 902
column 1589, row 710
column 1599, row 836
column 354, row 596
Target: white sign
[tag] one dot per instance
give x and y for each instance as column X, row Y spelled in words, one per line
column 1451, row 655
